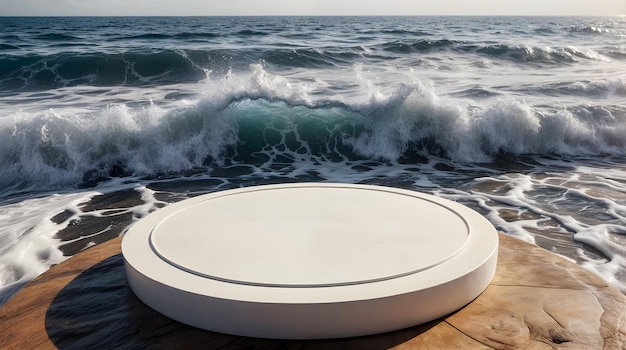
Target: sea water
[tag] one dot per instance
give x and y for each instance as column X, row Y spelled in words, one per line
column 104, row 120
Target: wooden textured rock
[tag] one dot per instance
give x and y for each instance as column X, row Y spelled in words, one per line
column 537, row 300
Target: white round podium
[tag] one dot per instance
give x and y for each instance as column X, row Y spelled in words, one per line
column 310, row 260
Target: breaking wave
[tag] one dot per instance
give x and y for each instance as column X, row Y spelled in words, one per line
column 260, row 118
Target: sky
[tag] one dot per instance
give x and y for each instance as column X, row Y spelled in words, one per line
column 310, row 7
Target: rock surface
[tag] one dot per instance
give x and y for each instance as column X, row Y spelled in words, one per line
column 537, row 300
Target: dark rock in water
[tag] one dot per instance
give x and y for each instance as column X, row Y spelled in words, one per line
column 91, row 230
column 114, row 200
column 62, row 216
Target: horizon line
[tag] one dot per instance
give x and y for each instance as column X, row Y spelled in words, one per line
column 328, row 15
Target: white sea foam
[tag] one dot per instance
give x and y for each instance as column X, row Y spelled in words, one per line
column 585, row 204
column 27, row 243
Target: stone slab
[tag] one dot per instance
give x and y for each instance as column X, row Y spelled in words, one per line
column 537, row 300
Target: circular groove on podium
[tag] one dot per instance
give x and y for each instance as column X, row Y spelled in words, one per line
column 310, row 260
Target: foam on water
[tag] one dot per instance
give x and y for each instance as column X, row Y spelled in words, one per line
column 29, row 244
column 587, row 203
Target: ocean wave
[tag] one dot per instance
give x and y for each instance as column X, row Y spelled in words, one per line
column 421, row 45
column 399, row 32
column 56, row 37
column 544, row 31
column 615, row 52
column 588, row 30
column 545, row 55
column 42, row 72
column 587, row 88
column 83, row 64
column 164, row 36
column 515, row 53
column 148, row 36
column 11, row 37
column 146, row 67
column 249, row 32
column 263, row 119
column 8, row 47
column 312, row 58
column 192, row 35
